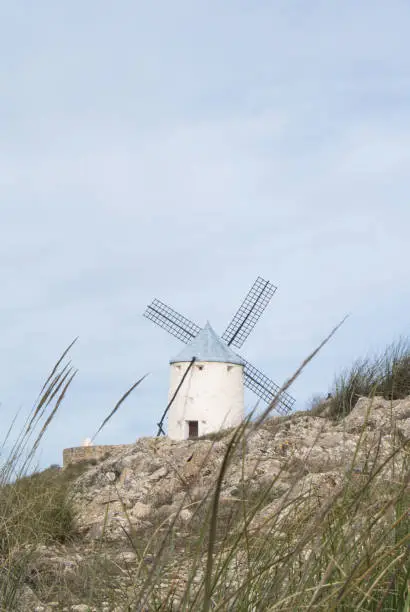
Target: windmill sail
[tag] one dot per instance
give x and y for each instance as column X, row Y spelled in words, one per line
column 249, row 312
column 266, row 389
column 235, row 334
column 170, row 320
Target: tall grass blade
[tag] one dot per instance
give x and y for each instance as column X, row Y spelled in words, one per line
column 118, row 404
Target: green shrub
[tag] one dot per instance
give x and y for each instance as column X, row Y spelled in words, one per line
column 386, row 375
column 35, row 510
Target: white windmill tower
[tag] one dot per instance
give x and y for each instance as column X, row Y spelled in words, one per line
column 207, row 378
column 211, row 397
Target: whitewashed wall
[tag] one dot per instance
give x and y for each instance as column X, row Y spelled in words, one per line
column 211, row 394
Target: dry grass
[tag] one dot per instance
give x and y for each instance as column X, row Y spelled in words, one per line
column 386, row 375
column 262, row 550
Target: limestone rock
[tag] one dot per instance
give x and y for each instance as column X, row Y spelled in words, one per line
column 156, row 477
column 159, row 482
column 381, row 415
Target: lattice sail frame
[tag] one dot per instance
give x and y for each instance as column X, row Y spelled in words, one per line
column 185, row 330
column 173, row 322
column 265, row 388
column 249, row 312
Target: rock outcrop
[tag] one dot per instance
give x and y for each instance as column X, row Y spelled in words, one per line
column 157, row 477
column 288, row 464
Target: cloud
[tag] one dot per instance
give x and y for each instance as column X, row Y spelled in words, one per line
column 179, row 152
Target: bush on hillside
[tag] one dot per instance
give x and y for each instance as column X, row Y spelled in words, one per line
column 386, row 375
column 35, row 510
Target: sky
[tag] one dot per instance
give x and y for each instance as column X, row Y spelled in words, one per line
column 179, row 150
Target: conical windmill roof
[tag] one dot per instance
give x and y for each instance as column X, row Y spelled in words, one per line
column 207, row 346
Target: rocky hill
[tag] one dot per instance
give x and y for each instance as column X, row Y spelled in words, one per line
column 158, row 476
column 151, row 504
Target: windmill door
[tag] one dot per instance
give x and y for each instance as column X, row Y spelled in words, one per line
column 192, row 429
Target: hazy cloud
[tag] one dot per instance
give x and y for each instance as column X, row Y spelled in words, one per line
column 178, row 150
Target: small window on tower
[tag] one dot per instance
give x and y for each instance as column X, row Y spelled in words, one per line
column 200, row 367
column 192, row 429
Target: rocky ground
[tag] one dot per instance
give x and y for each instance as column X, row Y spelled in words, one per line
column 130, row 498
column 157, row 474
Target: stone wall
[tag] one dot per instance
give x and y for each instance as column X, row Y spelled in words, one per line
column 89, row 453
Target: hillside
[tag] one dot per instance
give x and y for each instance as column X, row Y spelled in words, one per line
column 301, row 512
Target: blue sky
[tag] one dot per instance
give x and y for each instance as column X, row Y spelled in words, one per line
column 178, row 150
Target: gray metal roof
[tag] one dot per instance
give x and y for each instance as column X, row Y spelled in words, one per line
column 207, row 346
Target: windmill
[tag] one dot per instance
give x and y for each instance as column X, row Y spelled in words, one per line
column 199, row 404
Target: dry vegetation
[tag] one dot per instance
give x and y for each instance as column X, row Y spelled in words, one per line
column 350, row 552
column 386, row 375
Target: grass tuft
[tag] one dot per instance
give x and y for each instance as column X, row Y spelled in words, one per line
column 386, row 375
